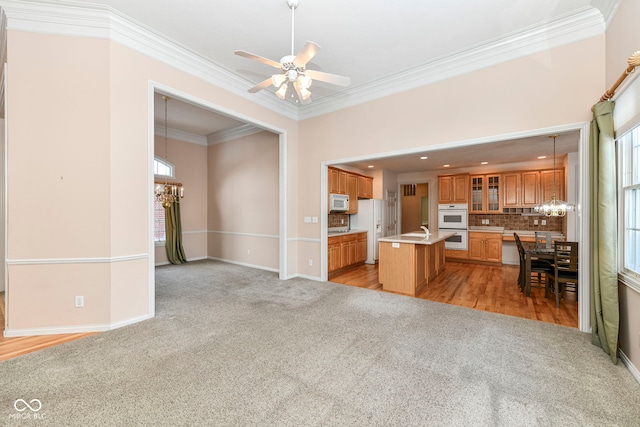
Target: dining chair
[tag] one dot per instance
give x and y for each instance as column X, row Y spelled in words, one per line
column 565, row 269
column 538, row 267
column 543, row 239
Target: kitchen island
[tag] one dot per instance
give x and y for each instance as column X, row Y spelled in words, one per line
column 407, row 262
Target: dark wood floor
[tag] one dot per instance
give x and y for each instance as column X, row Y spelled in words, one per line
column 482, row 287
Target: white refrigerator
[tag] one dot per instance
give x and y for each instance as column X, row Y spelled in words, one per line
column 369, row 218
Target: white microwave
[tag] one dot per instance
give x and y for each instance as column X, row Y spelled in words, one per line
column 338, row 202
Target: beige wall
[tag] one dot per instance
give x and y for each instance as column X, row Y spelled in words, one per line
column 623, row 38
column 79, row 178
column 243, row 212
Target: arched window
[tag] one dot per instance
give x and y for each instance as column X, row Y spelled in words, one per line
column 163, row 168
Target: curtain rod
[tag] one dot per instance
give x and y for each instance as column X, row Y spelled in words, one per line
column 633, row 61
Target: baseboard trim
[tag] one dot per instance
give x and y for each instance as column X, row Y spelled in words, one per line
column 305, row 276
column 244, row 264
column 9, row 333
column 188, row 260
column 630, row 366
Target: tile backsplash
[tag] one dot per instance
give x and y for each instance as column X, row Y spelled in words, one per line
column 338, row 220
column 518, row 222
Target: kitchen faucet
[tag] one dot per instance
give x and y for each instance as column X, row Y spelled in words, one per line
column 426, row 230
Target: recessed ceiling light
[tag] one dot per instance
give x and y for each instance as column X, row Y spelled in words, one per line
column 445, row 166
column 484, row 163
column 423, row 158
column 542, row 157
column 370, row 166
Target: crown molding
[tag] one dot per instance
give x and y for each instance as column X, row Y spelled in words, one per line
column 565, row 30
column 98, row 21
column 102, row 22
column 608, row 8
column 181, row 135
column 231, row 134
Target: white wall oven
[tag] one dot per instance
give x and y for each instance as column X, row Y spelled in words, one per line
column 454, row 218
column 459, row 241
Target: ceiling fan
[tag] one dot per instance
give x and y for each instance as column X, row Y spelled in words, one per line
column 293, row 73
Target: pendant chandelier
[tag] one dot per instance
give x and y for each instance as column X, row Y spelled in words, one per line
column 554, row 206
column 168, row 192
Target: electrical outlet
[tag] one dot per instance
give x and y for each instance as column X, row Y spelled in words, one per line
column 79, row 301
column 544, row 222
column 310, row 262
column 315, row 219
column 535, row 222
column 248, row 251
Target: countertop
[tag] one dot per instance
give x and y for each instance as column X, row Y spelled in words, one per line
column 418, row 239
column 345, row 232
column 509, row 233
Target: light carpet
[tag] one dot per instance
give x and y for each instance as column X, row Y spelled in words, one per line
column 236, row 346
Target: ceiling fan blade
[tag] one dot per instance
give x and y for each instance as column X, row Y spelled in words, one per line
column 258, row 58
column 260, row 86
column 299, row 95
column 334, row 79
column 308, row 51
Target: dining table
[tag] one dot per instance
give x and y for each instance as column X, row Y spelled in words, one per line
column 532, row 252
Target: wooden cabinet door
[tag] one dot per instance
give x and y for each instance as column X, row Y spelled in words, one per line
column 352, row 191
column 334, row 181
column 493, row 248
column 476, row 246
column 365, row 187
column 460, row 188
column 530, row 189
column 445, row 193
column 421, row 263
column 334, row 258
column 547, row 186
column 493, row 203
column 477, row 197
column 361, row 251
column 511, row 190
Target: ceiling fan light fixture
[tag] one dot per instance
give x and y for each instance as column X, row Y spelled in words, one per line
column 304, row 81
column 305, row 94
column 278, row 79
column 282, row 92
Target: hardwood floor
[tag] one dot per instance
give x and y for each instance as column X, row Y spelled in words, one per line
column 482, row 287
column 17, row 346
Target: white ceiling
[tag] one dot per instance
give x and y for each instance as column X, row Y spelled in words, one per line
column 366, row 40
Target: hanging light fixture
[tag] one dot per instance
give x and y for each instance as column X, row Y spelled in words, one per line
column 169, row 192
column 554, row 206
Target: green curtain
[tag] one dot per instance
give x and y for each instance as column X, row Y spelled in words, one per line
column 605, row 312
column 173, row 230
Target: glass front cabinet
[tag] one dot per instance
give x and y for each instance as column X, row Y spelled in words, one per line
column 485, row 194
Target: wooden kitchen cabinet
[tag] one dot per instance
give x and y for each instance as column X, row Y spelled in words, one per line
column 334, row 259
column 546, row 184
column 485, row 247
column 352, row 191
column 530, row 189
column 406, row 268
column 485, row 194
column 511, row 189
column 337, row 181
column 453, row 188
column 361, row 248
column 365, row 187
column 346, row 251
